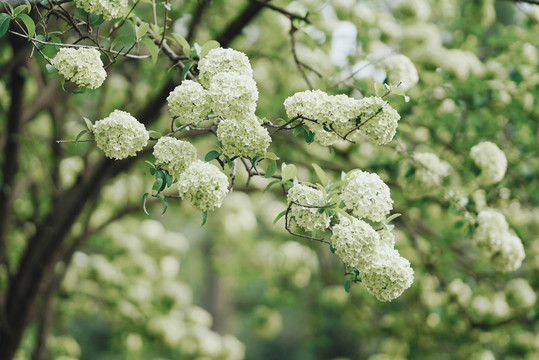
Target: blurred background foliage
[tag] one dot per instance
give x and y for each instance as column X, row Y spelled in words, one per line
column 241, row 287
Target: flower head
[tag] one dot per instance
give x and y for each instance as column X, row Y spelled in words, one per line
column 233, row 95
column 176, row 155
column 491, row 160
column 389, row 275
column 83, row 66
column 354, row 242
column 367, row 195
column 223, row 60
column 189, row 101
column 203, row 185
column 379, row 119
column 120, row 135
column 109, row 9
column 400, row 69
column 308, row 218
column 245, row 137
column 430, row 170
column 493, row 238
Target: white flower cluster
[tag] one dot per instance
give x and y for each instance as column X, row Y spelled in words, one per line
column 430, row 170
column 176, row 155
column 83, row 66
column 379, row 118
column 383, row 271
column 109, row 9
column 233, row 95
column 120, row 135
column 389, row 275
column 367, row 195
column 203, row 185
column 335, row 113
column 245, row 138
column 223, row 60
column 355, row 242
column 189, row 101
column 400, row 69
column 308, row 218
column 497, row 243
column 491, row 160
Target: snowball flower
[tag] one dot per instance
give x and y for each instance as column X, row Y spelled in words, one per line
column 309, row 103
column 367, row 195
column 400, row 69
column 189, row 101
column 335, row 113
column 491, row 160
column 354, row 242
column 497, row 243
column 430, row 170
column 509, row 257
column 176, row 155
column 308, row 218
column 83, row 66
column 389, row 275
column 520, row 294
column 244, row 137
column 120, row 135
column 233, row 95
column 203, row 185
column 109, row 9
column 223, row 60
column 379, row 118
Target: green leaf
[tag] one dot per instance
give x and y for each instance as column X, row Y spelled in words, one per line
column 392, row 217
column 331, row 248
column 347, row 286
column 177, row 122
column 158, row 183
column 270, row 184
column 89, row 124
column 19, row 9
column 398, row 91
column 149, row 163
column 185, row 70
column 142, row 30
column 289, row 172
column 82, row 90
column 152, row 48
column 180, row 40
column 212, row 155
column 280, row 215
column 309, row 136
column 4, row 23
column 321, row 174
column 379, row 89
column 270, row 156
column 168, row 178
column 164, row 200
column 204, row 217
column 296, row 131
column 29, row 23
column 122, row 40
column 79, row 135
column 29, row 6
column 50, row 69
column 154, row 134
column 254, row 161
column 212, row 44
column 144, row 203
column 271, row 169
